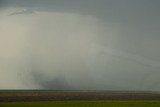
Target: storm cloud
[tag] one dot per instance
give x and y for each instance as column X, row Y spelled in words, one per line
column 80, row 44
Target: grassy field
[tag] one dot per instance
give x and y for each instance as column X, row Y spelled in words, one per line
column 83, row 104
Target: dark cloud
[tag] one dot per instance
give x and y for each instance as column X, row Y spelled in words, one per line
column 2, row 3
column 57, row 82
column 124, row 10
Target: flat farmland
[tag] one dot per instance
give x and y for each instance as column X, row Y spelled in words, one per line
column 33, row 95
column 37, row 98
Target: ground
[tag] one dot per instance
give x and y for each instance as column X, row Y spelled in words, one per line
column 83, row 104
column 37, row 98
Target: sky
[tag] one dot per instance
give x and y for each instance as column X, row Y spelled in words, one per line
column 80, row 44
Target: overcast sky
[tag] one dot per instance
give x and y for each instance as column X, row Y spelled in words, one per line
column 80, row 44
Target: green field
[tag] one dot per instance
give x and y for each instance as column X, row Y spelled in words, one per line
column 83, row 104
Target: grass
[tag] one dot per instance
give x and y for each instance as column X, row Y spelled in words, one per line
column 83, row 104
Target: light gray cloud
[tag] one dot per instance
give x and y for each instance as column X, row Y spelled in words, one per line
column 23, row 11
column 80, row 44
